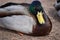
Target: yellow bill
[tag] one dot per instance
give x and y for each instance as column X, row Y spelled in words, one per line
column 40, row 18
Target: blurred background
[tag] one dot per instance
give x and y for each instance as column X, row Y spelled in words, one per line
column 50, row 11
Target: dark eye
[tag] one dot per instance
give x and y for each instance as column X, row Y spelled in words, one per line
column 58, row 1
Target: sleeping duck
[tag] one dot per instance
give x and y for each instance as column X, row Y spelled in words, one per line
column 57, row 7
column 31, row 20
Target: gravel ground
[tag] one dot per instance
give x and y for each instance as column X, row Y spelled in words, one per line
column 51, row 12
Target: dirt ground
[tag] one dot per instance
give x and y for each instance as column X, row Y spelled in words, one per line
column 51, row 12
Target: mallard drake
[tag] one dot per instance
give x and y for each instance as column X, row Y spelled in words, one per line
column 44, row 24
column 20, row 19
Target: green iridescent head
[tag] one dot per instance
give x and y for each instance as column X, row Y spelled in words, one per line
column 35, row 6
column 37, row 10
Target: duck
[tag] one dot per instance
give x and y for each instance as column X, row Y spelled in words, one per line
column 44, row 24
column 19, row 18
column 57, row 7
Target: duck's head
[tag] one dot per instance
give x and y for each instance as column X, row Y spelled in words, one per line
column 35, row 6
column 37, row 10
column 43, row 26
